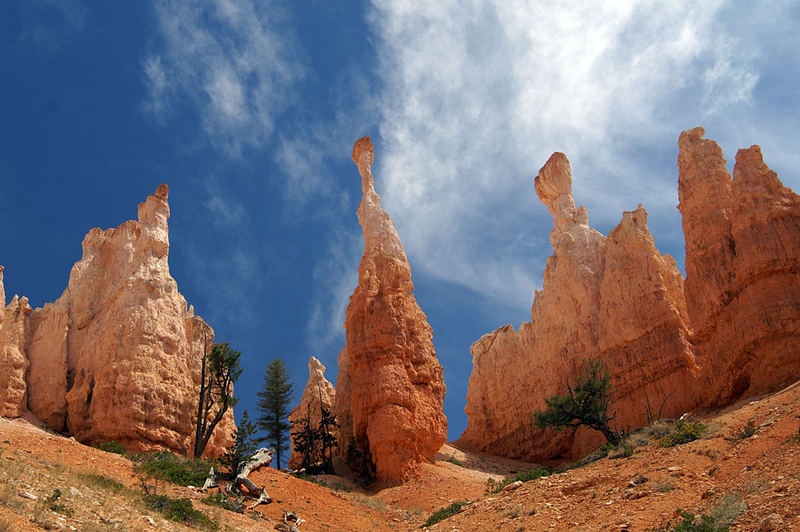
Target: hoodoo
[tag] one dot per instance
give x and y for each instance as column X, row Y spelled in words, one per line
column 390, row 388
column 615, row 299
column 742, row 270
column 117, row 356
column 318, row 394
column 731, row 330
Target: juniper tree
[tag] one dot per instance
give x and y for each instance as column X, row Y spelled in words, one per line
column 585, row 404
column 273, row 406
column 219, row 370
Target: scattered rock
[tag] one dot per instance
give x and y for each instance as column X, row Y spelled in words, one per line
column 514, row 485
column 771, row 522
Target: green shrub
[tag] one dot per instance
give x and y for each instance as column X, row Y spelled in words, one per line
column 166, row 466
column 748, row 430
column 102, row 482
column 691, row 523
column 443, row 513
column 112, row 446
column 221, row 500
column 454, row 462
column 180, row 511
column 53, row 504
column 683, row 432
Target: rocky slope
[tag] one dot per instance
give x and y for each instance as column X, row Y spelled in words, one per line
column 318, row 394
column 731, row 329
column 750, row 477
column 390, row 389
column 117, row 356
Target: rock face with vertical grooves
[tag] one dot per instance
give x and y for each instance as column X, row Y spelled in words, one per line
column 742, row 270
column 614, row 298
column 390, row 389
column 13, row 362
column 117, row 356
column 318, row 394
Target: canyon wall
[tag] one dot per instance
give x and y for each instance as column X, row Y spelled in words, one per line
column 616, row 299
column 117, row 356
column 319, row 393
column 390, row 388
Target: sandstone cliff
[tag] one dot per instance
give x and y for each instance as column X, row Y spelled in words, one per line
column 742, row 270
column 612, row 298
column 318, row 393
column 390, row 388
column 117, row 356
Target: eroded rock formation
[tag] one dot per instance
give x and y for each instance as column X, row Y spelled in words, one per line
column 731, row 330
column 13, row 362
column 390, row 389
column 612, row 298
column 318, row 394
column 117, row 356
column 742, row 270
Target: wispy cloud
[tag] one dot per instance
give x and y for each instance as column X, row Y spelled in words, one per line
column 335, row 278
column 231, row 59
column 49, row 24
column 224, row 209
column 479, row 93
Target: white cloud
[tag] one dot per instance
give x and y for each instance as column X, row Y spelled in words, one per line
column 224, row 209
column 231, row 59
column 478, row 94
column 335, row 278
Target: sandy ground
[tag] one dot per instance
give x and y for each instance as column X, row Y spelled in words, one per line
column 747, row 478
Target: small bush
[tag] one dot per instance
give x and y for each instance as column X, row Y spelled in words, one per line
column 100, row 481
column 454, row 462
column 180, row 511
column 222, row 501
column 166, row 466
column 691, row 523
column 683, row 432
column 728, row 509
column 748, row 430
column 112, row 446
column 443, row 513
column 53, row 504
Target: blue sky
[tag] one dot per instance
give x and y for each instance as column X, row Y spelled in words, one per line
column 249, row 110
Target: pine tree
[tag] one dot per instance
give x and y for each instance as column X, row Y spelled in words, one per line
column 273, row 405
column 242, row 447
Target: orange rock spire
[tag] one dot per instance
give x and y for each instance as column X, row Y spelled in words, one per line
column 117, row 356
column 390, row 389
